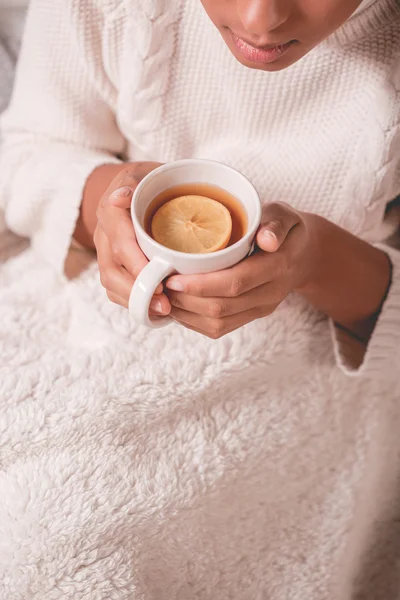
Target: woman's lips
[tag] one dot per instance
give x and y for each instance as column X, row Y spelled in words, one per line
column 265, row 55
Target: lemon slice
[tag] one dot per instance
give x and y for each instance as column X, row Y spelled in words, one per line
column 192, row 224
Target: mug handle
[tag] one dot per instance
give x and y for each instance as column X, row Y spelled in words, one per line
column 143, row 291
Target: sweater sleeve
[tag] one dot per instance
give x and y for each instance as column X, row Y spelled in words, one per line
column 382, row 355
column 61, row 122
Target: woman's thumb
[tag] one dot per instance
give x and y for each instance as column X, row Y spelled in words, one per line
column 120, row 198
column 267, row 239
column 277, row 222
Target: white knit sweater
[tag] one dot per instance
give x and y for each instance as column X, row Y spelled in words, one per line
column 161, row 465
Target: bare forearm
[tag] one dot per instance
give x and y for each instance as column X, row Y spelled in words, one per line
column 350, row 279
column 96, row 186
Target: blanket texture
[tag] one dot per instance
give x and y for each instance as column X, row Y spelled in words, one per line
column 166, row 466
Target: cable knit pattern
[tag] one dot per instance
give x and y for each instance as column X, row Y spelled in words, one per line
column 161, row 465
column 150, row 44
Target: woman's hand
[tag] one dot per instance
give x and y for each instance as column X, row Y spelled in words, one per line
column 339, row 274
column 218, row 303
column 119, row 256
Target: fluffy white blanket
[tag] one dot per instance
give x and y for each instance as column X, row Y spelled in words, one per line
column 163, row 466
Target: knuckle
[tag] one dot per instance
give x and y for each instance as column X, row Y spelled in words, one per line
column 216, row 329
column 216, row 309
column 280, row 293
column 130, row 174
column 286, row 207
column 236, row 287
column 278, row 205
column 279, row 208
column 277, row 225
column 126, row 177
column 106, row 279
column 276, row 296
column 265, row 311
column 274, row 207
column 134, row 173
column 116, row 249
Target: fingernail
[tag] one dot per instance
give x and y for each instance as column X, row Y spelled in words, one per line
column 175, row 285
column 124, row 192
column 157, row 307
column 269, row 234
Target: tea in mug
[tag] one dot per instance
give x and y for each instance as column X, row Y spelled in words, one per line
column 196, row 218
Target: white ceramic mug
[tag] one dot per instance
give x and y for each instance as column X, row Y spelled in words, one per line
column 163, row 261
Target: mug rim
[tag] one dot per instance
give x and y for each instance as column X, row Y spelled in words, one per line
column 192, row 256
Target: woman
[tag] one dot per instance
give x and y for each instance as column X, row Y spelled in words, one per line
column 261, row 463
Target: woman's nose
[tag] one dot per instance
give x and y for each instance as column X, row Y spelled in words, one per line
column 260, row 17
